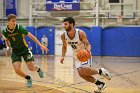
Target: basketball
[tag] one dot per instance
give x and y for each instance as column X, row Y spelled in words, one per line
column 83, row 55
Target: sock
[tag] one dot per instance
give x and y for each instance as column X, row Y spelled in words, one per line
column 100, row 71
column 97, row 82
column 38, row 70
column 27, row 77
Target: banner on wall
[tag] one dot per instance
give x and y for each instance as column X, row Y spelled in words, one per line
column 10, row 7
column 63, row 6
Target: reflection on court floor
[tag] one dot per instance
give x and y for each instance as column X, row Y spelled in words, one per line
column 63, row 78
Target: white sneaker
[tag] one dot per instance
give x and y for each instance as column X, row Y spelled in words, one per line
column 105, row 74
column 101, row 87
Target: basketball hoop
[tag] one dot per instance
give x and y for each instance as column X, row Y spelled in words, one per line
column 119, row 18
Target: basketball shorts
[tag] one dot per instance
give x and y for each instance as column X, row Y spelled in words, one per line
column 26, row 54
column 79, row 64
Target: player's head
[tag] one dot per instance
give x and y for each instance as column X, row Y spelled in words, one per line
column 11, row 18
column 69, row 23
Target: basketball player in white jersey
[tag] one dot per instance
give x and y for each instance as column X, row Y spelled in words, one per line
column 77, row 40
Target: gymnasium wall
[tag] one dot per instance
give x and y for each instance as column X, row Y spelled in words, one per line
column 39, row 32
column 112, row 41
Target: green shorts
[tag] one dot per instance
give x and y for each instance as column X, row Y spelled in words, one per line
column 26, row 54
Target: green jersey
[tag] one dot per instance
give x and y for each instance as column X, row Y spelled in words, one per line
column 16, row 37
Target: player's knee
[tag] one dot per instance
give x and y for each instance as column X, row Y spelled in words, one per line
column 86, row 71
column 31, row 68
column 17, row 70
column 82, row 73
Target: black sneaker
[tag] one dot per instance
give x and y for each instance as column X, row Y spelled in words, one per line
column 101, row 87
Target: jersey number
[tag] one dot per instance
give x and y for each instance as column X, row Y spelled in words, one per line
column 74, row 46
column 13, row 38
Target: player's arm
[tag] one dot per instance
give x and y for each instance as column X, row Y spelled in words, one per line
column 34, row 38
column 64, row 48
column 7, row 43
column 36, row 41
column 7, row 46
column 83, row 38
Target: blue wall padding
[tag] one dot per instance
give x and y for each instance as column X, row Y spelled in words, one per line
column 55, row 0
column 31, row 29
column 96, row 39
column 50, row 34
column 121, row 41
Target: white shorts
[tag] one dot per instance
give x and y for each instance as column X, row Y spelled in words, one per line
column 79, row 64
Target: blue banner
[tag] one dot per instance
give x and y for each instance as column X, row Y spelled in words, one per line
column 11, row 7
column 64, row 6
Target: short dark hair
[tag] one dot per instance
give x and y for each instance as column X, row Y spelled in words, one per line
column 10, row 16
column 70, row 20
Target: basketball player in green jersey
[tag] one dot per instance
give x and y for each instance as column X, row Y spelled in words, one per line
column 15, row 37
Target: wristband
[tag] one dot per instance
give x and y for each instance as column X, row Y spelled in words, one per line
column 7, row 48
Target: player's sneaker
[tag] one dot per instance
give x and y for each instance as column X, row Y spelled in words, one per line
column 29, row 82
column 101, row 87
column 105, row 73
column 41, row 74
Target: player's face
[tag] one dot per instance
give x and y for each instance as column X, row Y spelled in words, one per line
column 12, row 23
column 67, row 26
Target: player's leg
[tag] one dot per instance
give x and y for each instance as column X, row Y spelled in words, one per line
column 42, row 51
column 17, row 68
column 103, row 72
column 47, row 47
column 86, row 73
column 33, row 67
column 86, row 76
column 28, row 57
column 16, row 61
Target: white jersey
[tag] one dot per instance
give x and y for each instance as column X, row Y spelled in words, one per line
column 75, row 42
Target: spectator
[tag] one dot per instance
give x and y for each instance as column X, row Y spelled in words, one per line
column 44, row 41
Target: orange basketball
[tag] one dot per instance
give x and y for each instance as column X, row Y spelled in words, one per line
column 83, row 55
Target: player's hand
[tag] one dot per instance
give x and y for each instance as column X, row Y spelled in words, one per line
column 62, row 60
column 89, row 52
column 44, row 48
column 7, row 51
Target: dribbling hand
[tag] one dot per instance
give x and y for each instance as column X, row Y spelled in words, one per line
column 61, row 60
column 7, row 51
column 44, row 48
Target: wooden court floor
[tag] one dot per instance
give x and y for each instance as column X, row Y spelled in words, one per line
column 63, row 78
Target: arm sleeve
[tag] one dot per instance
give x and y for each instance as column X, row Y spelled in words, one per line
column 23, row 30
